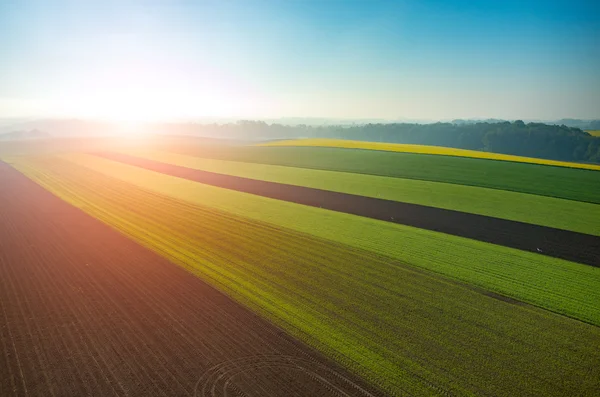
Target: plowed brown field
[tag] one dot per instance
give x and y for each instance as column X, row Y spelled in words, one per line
column 86, row 311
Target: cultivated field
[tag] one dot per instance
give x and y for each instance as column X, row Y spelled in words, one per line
column 527, row 274
column 558, row 243
column 318, row 301
column 86, row 311
column 530, row 208
column 594, row 132
column 560, row 182
column 422, row 149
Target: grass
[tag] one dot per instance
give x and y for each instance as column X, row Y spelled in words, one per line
column 540, row 210
column 409, row 331
column 566, row 183
column 594, row 132
column 423, row 149
column 565, row 287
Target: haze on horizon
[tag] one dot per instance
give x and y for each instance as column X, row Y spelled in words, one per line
column 161, row 60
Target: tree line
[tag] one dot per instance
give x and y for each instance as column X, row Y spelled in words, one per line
column 556, row 142
column 534, row 139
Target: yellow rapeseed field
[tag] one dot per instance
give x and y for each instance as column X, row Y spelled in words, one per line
column 423, row 149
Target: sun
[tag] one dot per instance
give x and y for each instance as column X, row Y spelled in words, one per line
column 127, row 93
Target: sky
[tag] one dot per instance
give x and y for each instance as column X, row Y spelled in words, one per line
column 170, row 60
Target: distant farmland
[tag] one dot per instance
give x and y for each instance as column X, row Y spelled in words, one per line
column 307, row 301
column 594, row 132
column 422, row 149
column 575, row 184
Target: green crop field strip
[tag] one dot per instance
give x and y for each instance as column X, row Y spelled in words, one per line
column 327, row 282
column 566, row 183
column 540, row 210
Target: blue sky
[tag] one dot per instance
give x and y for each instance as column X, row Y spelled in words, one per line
column 264, row 59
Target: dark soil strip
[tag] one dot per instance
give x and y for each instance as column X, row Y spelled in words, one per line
column 572, row 246
column 86, row 311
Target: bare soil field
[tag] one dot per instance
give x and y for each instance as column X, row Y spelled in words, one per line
column 572, row 246
column 86, row 311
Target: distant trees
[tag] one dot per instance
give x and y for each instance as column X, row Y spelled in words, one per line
column 557, row 142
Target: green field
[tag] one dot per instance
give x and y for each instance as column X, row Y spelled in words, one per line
column 354, row 287
column 540, row 210
column 572, row 184
column 565, row 287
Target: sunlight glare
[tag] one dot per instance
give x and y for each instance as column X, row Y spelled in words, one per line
column 130, row 128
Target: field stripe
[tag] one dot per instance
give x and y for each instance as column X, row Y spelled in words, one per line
column 577, row 247
column 86, row 311
column 425, row 149
column 514, row 206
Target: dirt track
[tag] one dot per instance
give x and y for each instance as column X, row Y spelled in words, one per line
column 577, row 247
column 85, row 311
